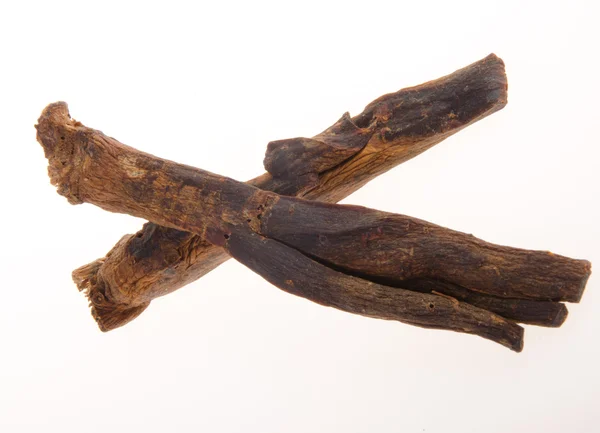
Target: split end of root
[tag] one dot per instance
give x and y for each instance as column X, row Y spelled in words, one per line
column 107, row 314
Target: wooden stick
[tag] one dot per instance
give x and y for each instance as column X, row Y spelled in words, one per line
column 158, row 260
column 88, row 166
column 398, row 248
column 295, row 273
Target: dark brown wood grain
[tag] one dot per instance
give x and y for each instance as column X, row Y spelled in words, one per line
column 397, row 248
column 158, row 260
column 297, row 162
column 323, row 252
column 294, row 272
column 541, row 313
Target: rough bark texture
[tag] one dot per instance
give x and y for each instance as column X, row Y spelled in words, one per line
column 326, row 253
column 294, row 272
column 541, row 313
column 396, row 248
column 392, row 129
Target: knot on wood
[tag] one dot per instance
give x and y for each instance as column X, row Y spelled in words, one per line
column 300, row 160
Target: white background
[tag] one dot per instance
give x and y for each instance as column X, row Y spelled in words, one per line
column 209, row 85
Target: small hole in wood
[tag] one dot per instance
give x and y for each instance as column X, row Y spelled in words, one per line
column 62, row 138
column 248, row 220
column 259, row 216
column 431, row 306
column 226, row 236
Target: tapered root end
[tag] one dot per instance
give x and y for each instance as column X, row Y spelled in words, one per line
column 108, row 315
column 505, row 332
column 518, row 343
column 584, row 279
column 561, row 316
column 568, row 277
column 502, row 331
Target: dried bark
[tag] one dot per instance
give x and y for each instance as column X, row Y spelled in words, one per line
column 323, row 252
column 396, row 248
column 158, row 260
column 541, row 313
column 295, row 273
